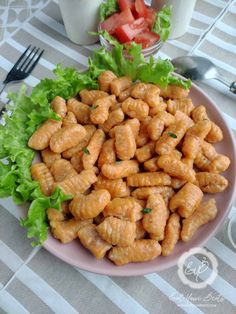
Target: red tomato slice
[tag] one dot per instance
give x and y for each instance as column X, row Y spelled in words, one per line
column 116, row 20
column 135, row 14
column 151, row 16
column 126, row 4
column 127, row 32
column 141, row 8
column 146, row 38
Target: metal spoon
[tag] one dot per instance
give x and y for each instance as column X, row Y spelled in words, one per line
column 198, row 69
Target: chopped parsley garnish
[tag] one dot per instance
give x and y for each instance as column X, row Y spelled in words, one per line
column 172, row 134
column 146, row 210
column 93, row 107
column 86, row 151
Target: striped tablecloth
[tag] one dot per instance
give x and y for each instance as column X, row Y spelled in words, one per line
column 34, row 281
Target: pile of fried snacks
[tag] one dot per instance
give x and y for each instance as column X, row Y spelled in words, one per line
column 137, row 159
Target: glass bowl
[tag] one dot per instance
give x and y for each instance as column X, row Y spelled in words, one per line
column 147, row 52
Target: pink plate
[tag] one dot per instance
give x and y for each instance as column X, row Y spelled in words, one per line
column 76, row 255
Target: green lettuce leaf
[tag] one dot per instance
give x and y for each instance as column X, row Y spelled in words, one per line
column 162, row 24
column 7, row 179
column 16, row 159
column 157, row 72
column 122, row 60
column 67, row 82
column 108, row 8
column 160, row 72
column 112, row 40
column 36, row 221
column 128, row 60
column 186, row 84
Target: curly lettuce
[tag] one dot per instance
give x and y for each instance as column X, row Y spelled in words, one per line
column 108, row 8
column 162, row 24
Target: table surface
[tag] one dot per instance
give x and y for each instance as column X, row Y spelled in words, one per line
column 34, row 281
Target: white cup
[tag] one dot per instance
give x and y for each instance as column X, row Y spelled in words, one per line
column 80, row 17
column 182, row 11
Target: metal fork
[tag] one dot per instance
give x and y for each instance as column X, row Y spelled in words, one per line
column 23, row 66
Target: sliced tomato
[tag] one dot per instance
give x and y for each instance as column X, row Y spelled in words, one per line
column 126, row 4
column 151, row 16
column 116, row 20
column 141, row 8
column 146, row 38
column 135, row 14
column 127, row 32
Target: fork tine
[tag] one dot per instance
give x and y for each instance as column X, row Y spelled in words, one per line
column 35, row 62
column 30, row 58
column 21, row 65
column 22, row 56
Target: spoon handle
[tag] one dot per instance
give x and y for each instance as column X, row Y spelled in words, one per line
column 232, row 87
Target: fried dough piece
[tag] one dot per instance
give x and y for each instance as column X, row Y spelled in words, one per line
column 90, row 129
column 93, row 149
column 77, row 184
column 120, row 84
column 41, row 137
column 143, row 193
column 194, row 137
column 69, row 119
column 77, row 161
column 140, row 251
column 108, row 153
column 120, row 169
column 135, row 108
column 88, row 97
column 91, row 240
column 146, row 152
column 105, row 79
column 176, row 168
column 174, row 91
column 183, row 104
column 215, row 135
column 49, row 157
column 116, row 187
column 148, row 179
column 58, row 105
column 211, row 182
column 115, row 117
column 80, row 110
column 64, row 229
column 154, row 222
column 186, row 200
column 206, row 212
column 150, row 165
column 67, row 137
column 41, row 173
column 126, row 208
column 172, row 136
column 117, row 232
column 89, row 206
column 62, row 169
column 172, row 233
column 100, row 112
column 124, row 142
